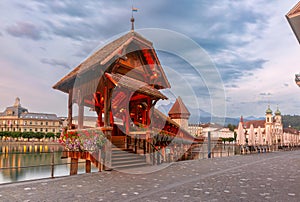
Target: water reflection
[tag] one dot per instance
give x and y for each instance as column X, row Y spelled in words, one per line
column 26, row 161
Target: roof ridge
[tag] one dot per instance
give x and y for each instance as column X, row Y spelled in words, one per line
column 179, row 108
column 102, row 54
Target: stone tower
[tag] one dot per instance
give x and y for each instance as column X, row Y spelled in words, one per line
column 17, row 102
column 180, row 114
column 269, row 116
column 278, row 120
column 268, row 125
column 278, row 127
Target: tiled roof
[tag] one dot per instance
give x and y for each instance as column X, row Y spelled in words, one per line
column 293, row 17
column 14, row 110
column 134, row 85
column 295, row 10
column 291, row 130
column 255, row 123
column 158, row 116
column 103, row 55
column 179, row 108
column 39, row 116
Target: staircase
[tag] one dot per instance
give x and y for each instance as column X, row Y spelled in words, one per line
column 125, row 158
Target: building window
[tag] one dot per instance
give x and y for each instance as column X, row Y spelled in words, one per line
column 46, row 123
column 25, row 129
column 41, row 130
column 46, row 129
column 53, row 123
column 30, row 122
column 35, row 130
column 41, row 123
column 53, row 130
column 30, row 129
column 25, row 123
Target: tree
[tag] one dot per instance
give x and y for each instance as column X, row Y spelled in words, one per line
column 231, row 127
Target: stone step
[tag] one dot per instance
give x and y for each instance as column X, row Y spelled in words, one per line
column 126, row 158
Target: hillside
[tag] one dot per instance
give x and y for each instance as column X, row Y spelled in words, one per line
column 293, row 121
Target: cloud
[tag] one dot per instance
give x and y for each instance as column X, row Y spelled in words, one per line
column 233, row 67
column 55, row 63
column 239, row 37
column 265, row 94
column 231, row 86
column 24, row 30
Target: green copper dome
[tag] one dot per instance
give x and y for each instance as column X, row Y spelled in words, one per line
column 269, row 111
column 277, row 112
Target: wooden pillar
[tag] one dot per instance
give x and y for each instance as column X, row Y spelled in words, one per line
column 144, row 146
column 135, row 144
column 99, row 116
column 80, row 115
column 111, row 118
column 87, row 166
column 106, row 107
column 70, row 108
column 107, row 131
column 74, row 166
column 99, row 161
column 163, row 153
column 147, row 145
column 127, row 120
column 148, row 115
column 80, row 109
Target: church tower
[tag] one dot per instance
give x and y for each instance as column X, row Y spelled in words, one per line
column 269, row 119
column 278, row 127
column 278, row 116
column 269, row 116
column 180, row 114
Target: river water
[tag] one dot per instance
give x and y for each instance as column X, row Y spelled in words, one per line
column 21, row 161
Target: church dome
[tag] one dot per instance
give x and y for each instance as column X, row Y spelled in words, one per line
column 269, row 111
column 277, row 112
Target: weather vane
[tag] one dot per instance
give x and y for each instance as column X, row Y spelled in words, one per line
column 133, row 9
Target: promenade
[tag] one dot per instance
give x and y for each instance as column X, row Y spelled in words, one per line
column 257, row 177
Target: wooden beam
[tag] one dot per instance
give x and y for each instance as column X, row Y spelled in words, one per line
column 80, row 110
column 106, row 107
column 108, row 133
column 74, row 166
column 70, row 108
column 80, row 116
column 87, row 166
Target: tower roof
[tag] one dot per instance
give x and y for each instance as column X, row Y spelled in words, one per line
column 269, row 111
column 179, row 110
column 293, row 17
column 102, row 58
column 277, row 112
column 15, row 110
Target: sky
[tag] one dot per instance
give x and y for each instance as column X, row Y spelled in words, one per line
column 249, row 42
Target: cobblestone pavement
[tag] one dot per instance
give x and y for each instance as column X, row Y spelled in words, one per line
column 257, row 177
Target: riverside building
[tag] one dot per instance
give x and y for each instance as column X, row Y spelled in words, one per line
column 18, row 119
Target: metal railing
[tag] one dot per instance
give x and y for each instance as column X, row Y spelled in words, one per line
column 15, row 165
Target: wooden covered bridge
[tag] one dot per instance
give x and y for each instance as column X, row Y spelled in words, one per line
column 121, row 83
